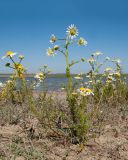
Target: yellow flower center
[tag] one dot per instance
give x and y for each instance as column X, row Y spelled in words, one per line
column 91, row 60
column 53, row 38
column 50, row 51
column 81, row 41
column 82, row 89
column 9, row 53
column 88, row 90
column 41, row 76
column 20, row 75
column 73, row 31
column 74, row 93
column 118, row 74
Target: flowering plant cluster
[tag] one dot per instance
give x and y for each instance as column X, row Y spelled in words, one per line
column 80, row 90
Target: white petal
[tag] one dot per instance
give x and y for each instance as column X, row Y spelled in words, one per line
column 3, row 57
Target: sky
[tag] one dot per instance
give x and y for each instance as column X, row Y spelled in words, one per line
column 26, row 27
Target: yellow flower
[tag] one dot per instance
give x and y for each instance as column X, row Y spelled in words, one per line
column 20, row 69
column 85, row 91
column 72, row 31
column 21, row 75
column 82, row 89
column 88, row 90
column 18, row 66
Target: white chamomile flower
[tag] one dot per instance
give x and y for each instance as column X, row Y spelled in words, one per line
column 97, row 53
column 116, row 61
column 72, row 31
column 111, row 74
column 40, row 76
column 50, row 52
column 110, row 78
column 82, row 42
column 53, row 38
column 2, row 85
column 117, row 74
column 37, row 85
column 108, row 69
column 21, row 57
column 88, row 76
column 9, row 54
column 78, row 77
column 9, row 81
column 91, row 60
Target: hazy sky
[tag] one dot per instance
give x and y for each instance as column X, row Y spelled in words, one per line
column 26, row 26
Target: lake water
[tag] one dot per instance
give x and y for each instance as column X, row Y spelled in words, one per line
column 52, row 83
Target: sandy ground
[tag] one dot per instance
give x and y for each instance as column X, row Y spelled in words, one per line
column 112, row 144
column 27, row 140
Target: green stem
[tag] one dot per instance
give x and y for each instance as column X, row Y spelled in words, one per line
column 68, row 73
column 62, row 39
column 12, row 60
column 62, row 52
column 20, row 61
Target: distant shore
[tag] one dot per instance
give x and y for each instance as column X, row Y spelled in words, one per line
column 59, row 75
column 54, row 75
